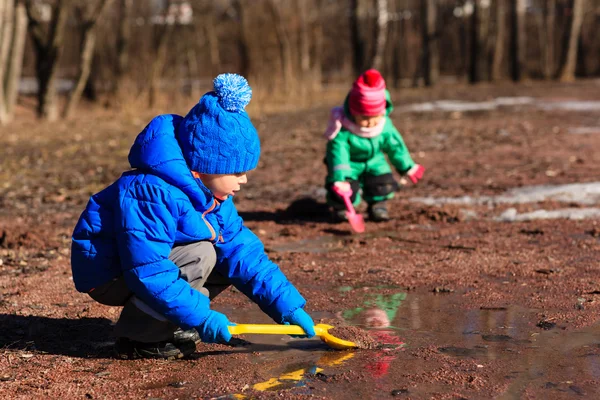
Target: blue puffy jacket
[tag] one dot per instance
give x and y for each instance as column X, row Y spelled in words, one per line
column 130, row 227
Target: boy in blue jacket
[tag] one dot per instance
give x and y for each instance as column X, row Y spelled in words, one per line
column 165, row 238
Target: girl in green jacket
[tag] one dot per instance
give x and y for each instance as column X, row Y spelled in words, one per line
column 360, row 134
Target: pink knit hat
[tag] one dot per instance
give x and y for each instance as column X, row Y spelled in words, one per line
column 367, row 96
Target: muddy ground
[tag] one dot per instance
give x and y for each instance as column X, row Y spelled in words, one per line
column 478, row 308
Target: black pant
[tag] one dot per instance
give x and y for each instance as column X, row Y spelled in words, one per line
column 372, row 185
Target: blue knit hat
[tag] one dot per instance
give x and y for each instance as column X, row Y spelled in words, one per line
column 216, row 136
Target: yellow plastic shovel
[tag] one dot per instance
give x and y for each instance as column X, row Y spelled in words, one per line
column 322, row 330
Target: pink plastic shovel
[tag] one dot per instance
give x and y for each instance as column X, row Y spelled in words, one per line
column 356, row 220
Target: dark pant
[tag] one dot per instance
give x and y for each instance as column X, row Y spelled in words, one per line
column 140, row 322
column 374, row 188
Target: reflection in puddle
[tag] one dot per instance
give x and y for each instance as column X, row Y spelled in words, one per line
column 297, row 378
column 512, row 335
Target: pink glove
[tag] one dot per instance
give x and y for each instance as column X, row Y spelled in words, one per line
column 343, row 186
column 416, row 173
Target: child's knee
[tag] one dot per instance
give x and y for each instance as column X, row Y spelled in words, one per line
column 379, row 185
column 195, row 260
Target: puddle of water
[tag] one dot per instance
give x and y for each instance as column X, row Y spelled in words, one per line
column 462, row 106
column 580, row 193
column 512, row 215
column 583, row 130
column 570, row 105
column 466, row 106
column 412, row 321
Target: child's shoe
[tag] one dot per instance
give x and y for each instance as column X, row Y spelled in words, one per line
column 128, row 349
column 339, row 215
column 379, row 212
column 191, row 335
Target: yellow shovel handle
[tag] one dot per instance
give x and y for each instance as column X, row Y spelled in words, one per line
column 273, row 329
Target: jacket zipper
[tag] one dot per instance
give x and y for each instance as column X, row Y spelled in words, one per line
column 212, row 230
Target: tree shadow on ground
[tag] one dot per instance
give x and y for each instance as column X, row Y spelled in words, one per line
column 300, row 211
column 84, row 337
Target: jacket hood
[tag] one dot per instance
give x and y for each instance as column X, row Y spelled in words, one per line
column 157, row 151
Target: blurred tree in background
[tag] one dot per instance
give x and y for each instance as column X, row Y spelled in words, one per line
column 119, row 52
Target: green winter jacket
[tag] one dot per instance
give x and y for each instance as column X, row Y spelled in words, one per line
column 350, row 156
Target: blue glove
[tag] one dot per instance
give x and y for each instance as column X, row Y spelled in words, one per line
column 302, row 319
column 214, row 328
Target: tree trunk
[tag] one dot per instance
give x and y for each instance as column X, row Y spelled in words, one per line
column 160, row 57
column 303, row 38
column 464, row 40
column 567, row 70
column 357, row 43
column 193, row 72
column 431, row 55
column 243, row 40
column 397, row 40
column 480, row 32
column 88, row 16
column 475, row 49
column 85, row 64
column 383, row 17
column 498, row 54
column 213, row 44
column 123, row 40
column 6, row 29
column 283, row 40
column 15, row 65
column 518, row 8
column 547, row 39
column 483, row 33
column 48, row 49
column 317, row 38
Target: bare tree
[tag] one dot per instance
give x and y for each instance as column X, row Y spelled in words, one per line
column 13, row 31
column 303, row 37
column 48, row 44
column 243, row 38
column 88, row 17
column 318, row 42
column 479, row 41
column 569, row 59
column 498, row 52
column 205, row 32
column 547, row 39
column 210, row 31
column 518, row 8
column 381, row 34
column 122, row 46
column 284, row 43
column 161, row 35
column 357, row 43
column 431, row 55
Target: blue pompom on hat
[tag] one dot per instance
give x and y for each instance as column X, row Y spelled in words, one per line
column 217, row 136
